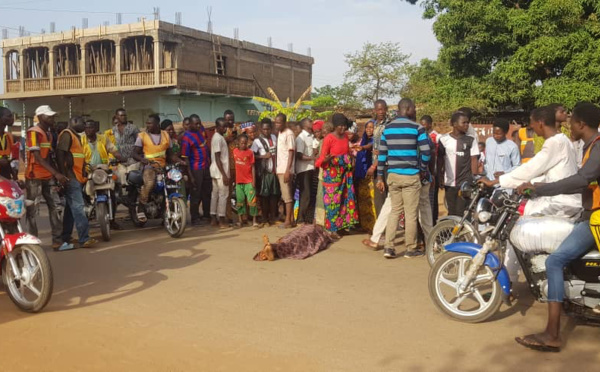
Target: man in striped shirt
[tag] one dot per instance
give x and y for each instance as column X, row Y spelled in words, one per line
column 405, row 150
column 195, row 148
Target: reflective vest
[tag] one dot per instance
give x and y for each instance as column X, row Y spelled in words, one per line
column 157, row 153
column 100, row 147
column 77, row 153
column 593, row 186
column 110, row 136
column 6, row 145
column 34, row 170
column 527, row 145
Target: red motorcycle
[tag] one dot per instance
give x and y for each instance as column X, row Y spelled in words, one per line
column 26, row 271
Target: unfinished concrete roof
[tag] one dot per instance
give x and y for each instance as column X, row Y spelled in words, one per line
column 142, row 28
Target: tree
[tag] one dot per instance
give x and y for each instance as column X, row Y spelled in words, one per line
column 522, row 52
column 376, row 71
column 343, row 96
column 437, row 93
column 293, row 111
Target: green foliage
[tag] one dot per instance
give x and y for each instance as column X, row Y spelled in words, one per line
column 437, row 93
column 293, row 111
column 376, row 71
column 344, row 96
column 519, row 52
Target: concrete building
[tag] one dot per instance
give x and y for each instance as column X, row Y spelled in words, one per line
column 146, row 67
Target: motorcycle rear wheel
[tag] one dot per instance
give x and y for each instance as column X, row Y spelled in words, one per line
column 33, row 293
column 484, row 296
column 441, row 234
column 175, row 224
column 103, row 217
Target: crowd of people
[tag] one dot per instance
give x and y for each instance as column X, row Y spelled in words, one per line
column 315, row 173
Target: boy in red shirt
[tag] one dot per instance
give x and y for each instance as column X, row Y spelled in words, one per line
column 245, row 180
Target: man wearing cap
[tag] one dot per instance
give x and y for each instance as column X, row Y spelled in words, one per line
column 39, row 173
column 70, row 158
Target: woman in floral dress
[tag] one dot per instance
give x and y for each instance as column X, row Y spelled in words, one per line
column 338, row 188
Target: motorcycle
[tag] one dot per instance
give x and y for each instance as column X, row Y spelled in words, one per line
column 452, row 229
column 25, row 268
column 469, row 282
column 101, row 184
column 163, row 202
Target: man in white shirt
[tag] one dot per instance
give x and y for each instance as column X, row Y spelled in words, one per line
column 267, row 185
column 286, row 150
column 219, row 172
column 556, row 160
column 305, row 169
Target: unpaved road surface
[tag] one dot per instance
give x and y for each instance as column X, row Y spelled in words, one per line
column 146, row 302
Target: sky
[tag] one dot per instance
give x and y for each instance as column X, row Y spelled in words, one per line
column 330, row 28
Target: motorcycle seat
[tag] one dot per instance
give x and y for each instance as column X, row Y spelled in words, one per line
column 592, row 255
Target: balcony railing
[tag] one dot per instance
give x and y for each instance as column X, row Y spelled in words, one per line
column 187, row 80
column 168, row 77
column 32, row 85
column 67, row 82
column 101, row 80
column 137, row 78
column 13, row 86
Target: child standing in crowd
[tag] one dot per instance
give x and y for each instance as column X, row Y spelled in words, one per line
column 245, row 179
column 457, row 161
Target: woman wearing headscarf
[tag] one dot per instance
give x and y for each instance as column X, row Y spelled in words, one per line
column 338, row 184
column 363, row 176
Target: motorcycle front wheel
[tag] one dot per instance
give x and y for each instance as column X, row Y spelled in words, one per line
column 175, row 223
column 441, row 234
column 32, row 290
column 103, row 217
column 477, row 303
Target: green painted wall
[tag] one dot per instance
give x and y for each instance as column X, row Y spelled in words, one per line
column 139, row 105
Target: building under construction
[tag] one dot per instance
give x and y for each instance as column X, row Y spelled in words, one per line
column 146, row 67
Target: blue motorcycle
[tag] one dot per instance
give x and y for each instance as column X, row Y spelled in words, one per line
column 164, row 202
column 469, row 282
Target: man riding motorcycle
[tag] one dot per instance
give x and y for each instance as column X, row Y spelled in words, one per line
column 153, row 145
column 96, row 148
column 584, row 126
column 556, row 160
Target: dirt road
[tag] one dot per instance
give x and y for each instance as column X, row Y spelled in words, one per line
column 146, row 302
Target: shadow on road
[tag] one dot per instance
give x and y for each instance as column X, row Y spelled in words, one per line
column 132, row 262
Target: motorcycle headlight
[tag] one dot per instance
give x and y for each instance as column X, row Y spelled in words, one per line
column 175, row 175
column 15, row 208
column 466, row 190
column 99, row 177
column 484, row 210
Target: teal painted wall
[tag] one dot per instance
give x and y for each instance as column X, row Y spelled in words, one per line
column 139, row 105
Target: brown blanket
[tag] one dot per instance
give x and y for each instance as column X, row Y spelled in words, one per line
column 299, row 244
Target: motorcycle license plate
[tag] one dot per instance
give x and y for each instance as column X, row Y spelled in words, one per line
column 102, row 198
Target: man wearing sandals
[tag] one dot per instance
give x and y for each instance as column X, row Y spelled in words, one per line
column 584, row 126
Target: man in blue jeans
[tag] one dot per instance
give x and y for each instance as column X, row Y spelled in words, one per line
column 71, row 162
column 584, row 126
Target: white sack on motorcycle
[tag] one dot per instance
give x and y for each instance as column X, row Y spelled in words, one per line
column 540, row 234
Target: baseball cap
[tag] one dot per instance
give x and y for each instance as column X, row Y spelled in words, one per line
column 44, row 110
